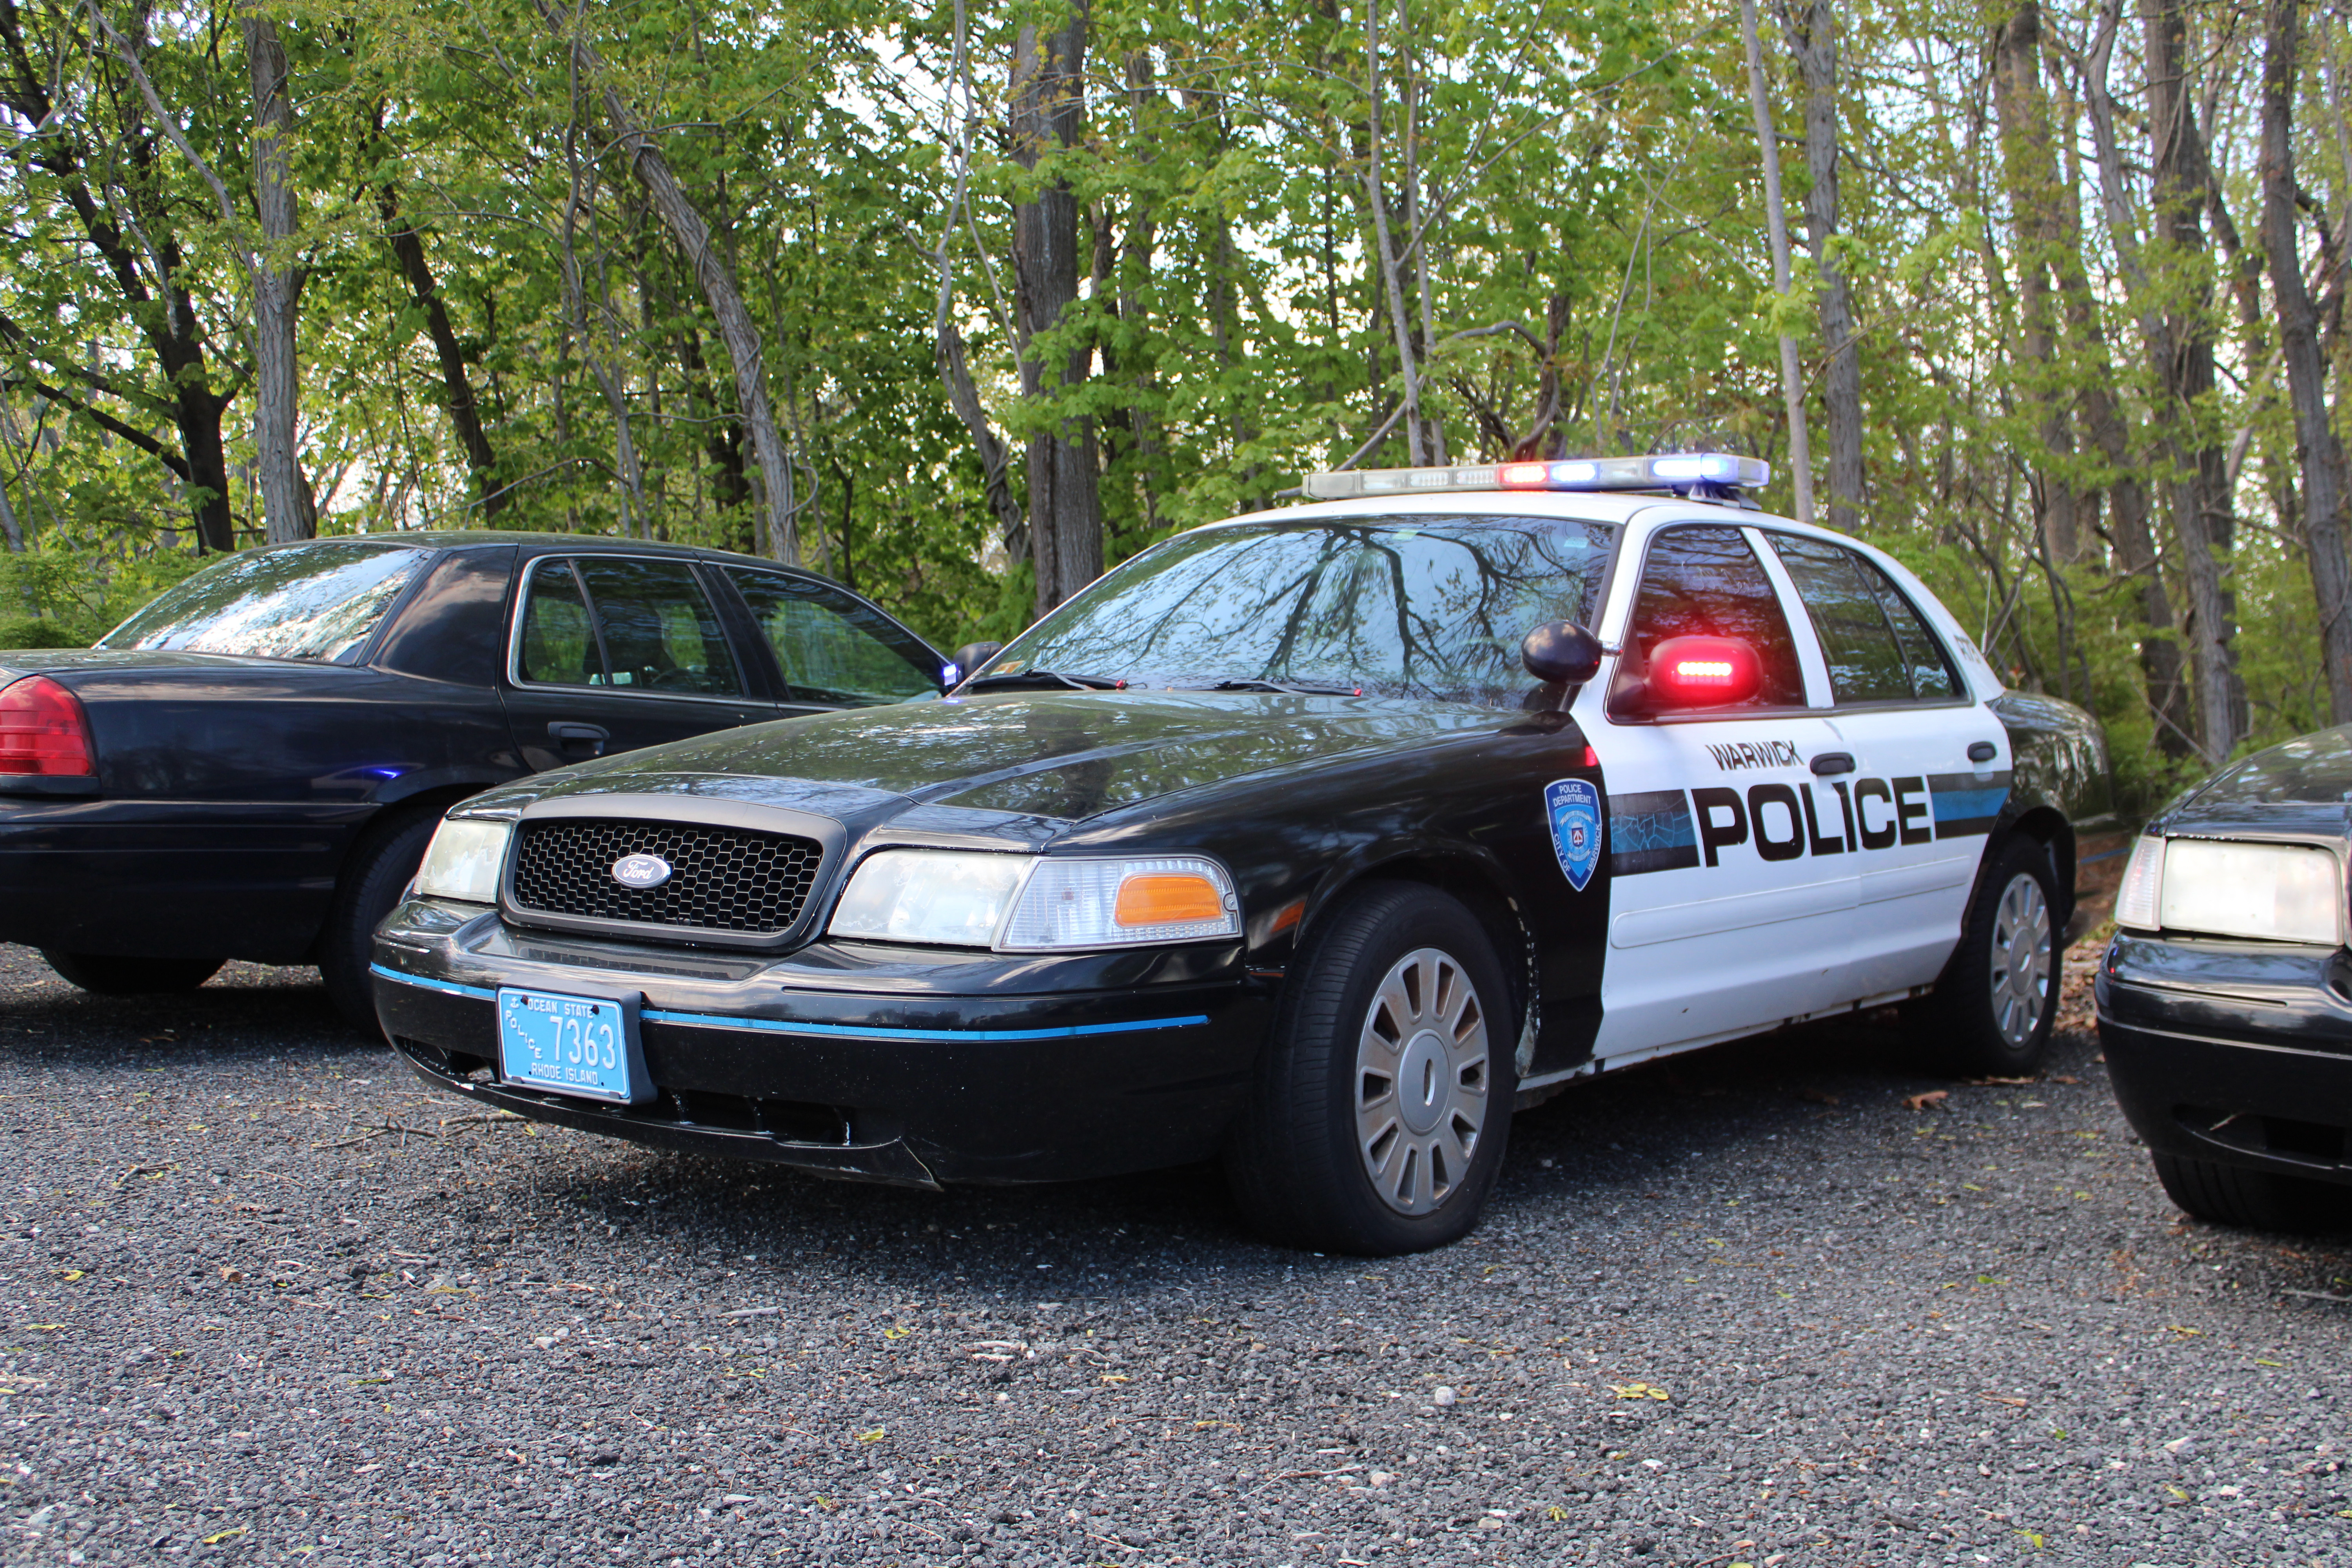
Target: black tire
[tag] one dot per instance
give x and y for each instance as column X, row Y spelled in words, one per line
column 2256, row 1200
column 1991, row 1013
column 1298, row 1165
column 107, row 975
column 381, row 865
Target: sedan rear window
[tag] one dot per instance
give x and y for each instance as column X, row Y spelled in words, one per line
column 318, row 601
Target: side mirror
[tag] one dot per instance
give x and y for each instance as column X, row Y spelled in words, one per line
column 1702, row 672
column 1561, row 653
column 967, row 659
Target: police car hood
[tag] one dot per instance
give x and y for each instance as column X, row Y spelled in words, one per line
column 1048, row 759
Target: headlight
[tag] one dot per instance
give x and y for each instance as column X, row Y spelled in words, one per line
column 1019, row 903
column 929, row 895
column 1120, row 903
column 464, row 860
column 2278, row 892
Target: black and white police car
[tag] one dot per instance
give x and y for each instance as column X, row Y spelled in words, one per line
column 1313, row 841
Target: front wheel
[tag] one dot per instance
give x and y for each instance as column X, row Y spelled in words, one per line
column 107, row 975
column 1384, row 1100
column 1991, row 1011
column 2254, row 1200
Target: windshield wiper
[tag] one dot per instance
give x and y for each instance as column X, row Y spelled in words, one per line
column 1289, row 688
column 1050, row 678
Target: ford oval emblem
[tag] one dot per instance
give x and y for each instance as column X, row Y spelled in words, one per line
column 641, row 871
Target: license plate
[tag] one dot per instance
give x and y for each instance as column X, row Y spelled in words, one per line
column 584, row 1046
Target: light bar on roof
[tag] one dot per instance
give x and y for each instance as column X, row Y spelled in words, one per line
column 1674, row 470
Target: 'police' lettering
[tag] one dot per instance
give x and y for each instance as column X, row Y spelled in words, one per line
column 1907, row 811
column 1780, row 794
column 1714, row 836
column 1865, row 792
column 1818, row 844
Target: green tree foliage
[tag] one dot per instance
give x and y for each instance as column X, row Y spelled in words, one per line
column 1308, row 235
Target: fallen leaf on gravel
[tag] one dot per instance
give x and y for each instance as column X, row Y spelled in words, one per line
column 1922, row 1101
column 1638, row 1391
column 1116, row 1377
column 874, row 1436
column 1988, row 1082
column 2184, row 1334
column 216, row 1538
column 2004, row 1399
column 1818, row 1095
column 234, row 1275
column 2064, row 1078
column 45, row 1328
column 70, row 1275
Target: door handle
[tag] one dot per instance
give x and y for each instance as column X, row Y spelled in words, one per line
column 574, row 739
column 1833, row 763
column 1982, row 751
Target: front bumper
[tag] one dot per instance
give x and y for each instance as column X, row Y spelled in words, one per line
column 914, row 1067
column 2234, row 1052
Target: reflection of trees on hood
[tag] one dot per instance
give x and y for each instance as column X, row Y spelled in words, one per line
column 1432, row 607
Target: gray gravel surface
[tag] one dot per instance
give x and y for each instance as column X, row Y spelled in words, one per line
column 268, row 1299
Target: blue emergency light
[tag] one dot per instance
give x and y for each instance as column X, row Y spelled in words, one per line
column 1703, row 473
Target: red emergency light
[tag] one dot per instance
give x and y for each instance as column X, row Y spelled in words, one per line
column 1704, row 672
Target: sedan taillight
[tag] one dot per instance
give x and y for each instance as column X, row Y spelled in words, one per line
column 43, row 730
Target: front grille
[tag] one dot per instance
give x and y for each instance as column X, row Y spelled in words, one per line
column 722, row 879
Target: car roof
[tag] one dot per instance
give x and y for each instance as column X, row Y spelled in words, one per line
column 537, row 543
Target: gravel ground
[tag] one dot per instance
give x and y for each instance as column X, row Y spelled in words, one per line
column 266, row 1298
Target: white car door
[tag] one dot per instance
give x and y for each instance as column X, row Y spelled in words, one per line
column 1731, row 887
column 1930, row 763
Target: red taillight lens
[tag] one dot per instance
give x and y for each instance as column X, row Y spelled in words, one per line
column 43, row 730
column 1705, row 672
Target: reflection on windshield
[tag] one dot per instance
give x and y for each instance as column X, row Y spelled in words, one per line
column 313, row 601
column 1403, row 606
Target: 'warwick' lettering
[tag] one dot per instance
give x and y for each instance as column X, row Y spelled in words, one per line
column 1739, row 755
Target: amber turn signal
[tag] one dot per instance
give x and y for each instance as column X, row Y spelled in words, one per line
column 1163, row 900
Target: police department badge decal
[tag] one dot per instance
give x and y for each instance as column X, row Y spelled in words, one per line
column 1572, row 807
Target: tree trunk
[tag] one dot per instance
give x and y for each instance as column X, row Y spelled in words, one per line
column 465, row 412
column 1048, row 109
column 1775, row 217
column 288, row 507
column 1811, row 27
column 2035, row 197
column 2159, row 649
column 2319, row 454
column 1391, row 280
column 737, row 330
column 2202, row 519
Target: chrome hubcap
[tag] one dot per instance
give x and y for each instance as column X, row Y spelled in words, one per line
column 2021, row 959
column 1420, row 1081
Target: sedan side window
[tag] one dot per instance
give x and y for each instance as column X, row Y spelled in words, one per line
column 1705, row 581
column 659, row 630
column 557, row 646
column 834, row 648
column 1878, row 649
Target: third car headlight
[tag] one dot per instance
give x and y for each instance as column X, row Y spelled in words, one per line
column 464, row 860
column 1020, row 903
column 2277, row 892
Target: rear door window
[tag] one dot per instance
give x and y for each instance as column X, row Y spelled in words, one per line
column 659, row 630
column 629, row 625
column 1877, row 646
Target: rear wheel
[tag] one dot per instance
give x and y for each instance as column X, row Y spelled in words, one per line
column 2257, row 1200
column 385, row 862
column 1993, row 1008
column 107, row 975
column 1384, row 1102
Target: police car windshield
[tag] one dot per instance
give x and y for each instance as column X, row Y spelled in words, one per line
column 1426, row 606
